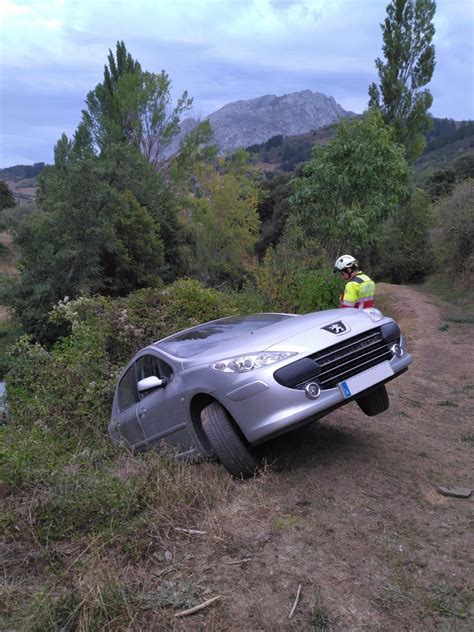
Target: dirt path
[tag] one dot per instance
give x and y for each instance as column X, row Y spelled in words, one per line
column 350, row 510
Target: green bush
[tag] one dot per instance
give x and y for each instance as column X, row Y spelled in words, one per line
column 67, row 392
column 291, row 284
column 404, row 251
column 454, row 235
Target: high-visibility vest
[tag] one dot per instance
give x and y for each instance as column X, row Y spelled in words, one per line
column 359, row 292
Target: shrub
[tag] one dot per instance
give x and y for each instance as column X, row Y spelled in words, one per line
column 454, row 234
column 290, row 285
column 404, row 252
column 68, row 390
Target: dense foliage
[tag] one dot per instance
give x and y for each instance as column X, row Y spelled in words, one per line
column 446, row 131
column 221, row 221
column 133, row 106
column 6, row 196
column 21, row 172
column 454, row 235
column 403, row 252
column 100, row 227
column 351, row 185
column 68, row 389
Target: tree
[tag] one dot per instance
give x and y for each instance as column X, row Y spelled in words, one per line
column 351, row 186
column 93, row 233
column 410, row 60
column 6, row 196
column 454, row 234
column 403, row 252
column 221, row 220
column 134, row 106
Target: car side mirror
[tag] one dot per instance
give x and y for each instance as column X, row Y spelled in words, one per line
column 150, row 382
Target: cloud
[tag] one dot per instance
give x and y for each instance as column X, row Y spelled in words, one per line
column 52, row 52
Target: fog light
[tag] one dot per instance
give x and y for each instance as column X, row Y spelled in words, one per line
column 312, row 390
column 397, row 350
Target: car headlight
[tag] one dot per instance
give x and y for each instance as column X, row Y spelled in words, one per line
column 374, row 314
column 251, row 361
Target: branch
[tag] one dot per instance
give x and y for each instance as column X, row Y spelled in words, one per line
column 290, row 616
column 185, row 613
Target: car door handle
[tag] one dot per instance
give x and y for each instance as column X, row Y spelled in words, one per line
column 142, row 412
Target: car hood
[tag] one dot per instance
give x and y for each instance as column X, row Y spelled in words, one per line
column 303, row 334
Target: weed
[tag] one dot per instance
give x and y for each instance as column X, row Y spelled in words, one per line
column 450, row 601
column 86, row 606
column 320, row 619
column 463, row 319
column 447, row 403
column 444, row 327
column 468, row 438
column 285, row 522
column 467, row 390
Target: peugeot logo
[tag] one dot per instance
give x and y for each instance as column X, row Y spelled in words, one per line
column 337, row 328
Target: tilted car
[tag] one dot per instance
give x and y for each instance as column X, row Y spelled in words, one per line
column 223, row 387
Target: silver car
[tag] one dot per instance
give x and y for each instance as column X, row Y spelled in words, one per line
column 223, row 387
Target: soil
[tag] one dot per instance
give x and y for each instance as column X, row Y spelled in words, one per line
column 350, row 510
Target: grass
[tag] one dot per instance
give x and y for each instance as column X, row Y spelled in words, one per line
column 82, row 518
column 320, row 619
column 9, row 333
column 448, row 403
column 461, row 300
column 450, row 601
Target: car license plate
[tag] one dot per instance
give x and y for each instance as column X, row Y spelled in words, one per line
column 364, row 380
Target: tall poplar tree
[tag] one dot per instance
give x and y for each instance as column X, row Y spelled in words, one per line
column 409, row 64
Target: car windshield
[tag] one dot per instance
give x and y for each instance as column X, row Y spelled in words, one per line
column 204, row 337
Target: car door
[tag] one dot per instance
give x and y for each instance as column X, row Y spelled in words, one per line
column 160, row 411
column 125, row 422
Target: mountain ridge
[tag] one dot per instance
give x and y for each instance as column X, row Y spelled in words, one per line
column 246, row 122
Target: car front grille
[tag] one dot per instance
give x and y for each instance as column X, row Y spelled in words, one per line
column 340, row 361
column 350, row 357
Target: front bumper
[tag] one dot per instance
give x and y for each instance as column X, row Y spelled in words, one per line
column 263, row 408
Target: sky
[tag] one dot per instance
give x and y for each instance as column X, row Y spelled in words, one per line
column 53, row 52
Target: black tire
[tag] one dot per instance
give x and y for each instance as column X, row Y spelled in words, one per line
column 226, row 441
column 375, row 402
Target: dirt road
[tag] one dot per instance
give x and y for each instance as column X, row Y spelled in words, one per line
column 350, row 510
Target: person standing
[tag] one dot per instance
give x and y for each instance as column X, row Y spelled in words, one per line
column 360, row 289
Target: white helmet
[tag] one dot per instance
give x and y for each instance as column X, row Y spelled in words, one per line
column 343, row 262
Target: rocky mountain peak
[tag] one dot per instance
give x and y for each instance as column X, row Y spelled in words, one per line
column 247, row 122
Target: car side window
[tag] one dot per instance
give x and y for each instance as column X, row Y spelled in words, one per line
column 146, row 366
column 127, row 393
column 149, row 365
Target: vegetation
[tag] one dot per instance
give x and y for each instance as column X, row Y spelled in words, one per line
column 454, row 237
column 221, row 221
column 132, row 106
column 286, row 152
column 404, row 252
column 117, row 253
column 348, row 188
column 22, row 172
column 6, row 196
column 408, row 32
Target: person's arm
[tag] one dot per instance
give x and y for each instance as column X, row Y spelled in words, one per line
column 350, row 296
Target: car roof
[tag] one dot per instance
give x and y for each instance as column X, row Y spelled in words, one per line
column 210, row 335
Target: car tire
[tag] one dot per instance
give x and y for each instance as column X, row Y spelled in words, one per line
column 375, row 402
column 227, row 442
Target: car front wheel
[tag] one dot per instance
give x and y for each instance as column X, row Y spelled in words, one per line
column 227, row 441
column 375, row 402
